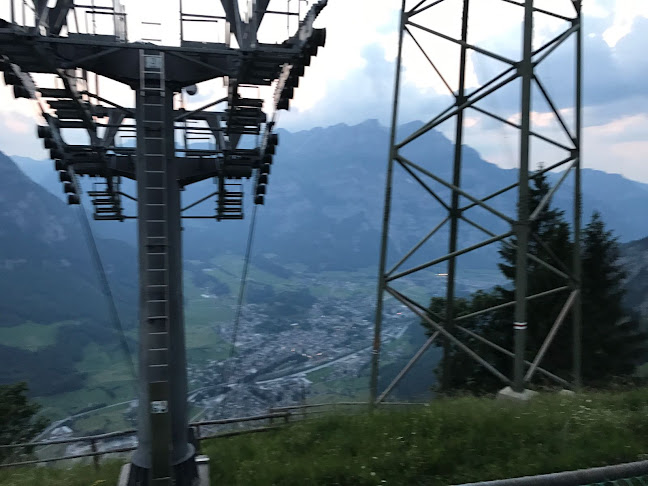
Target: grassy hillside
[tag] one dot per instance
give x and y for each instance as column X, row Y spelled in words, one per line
column 450, row 441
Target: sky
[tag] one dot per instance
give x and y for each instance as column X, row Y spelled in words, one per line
column 352, row 78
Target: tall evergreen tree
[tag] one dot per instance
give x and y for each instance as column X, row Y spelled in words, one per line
column 18, row 417
column 550, row 242
column 612, row 342
column 551, row 229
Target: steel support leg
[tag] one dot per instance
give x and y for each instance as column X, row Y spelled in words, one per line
column 522, row 226
column 455, row 215
column 577, row 313
column 375, row 352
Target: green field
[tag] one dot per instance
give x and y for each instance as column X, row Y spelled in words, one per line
column 319, row 375
column 109, row 379
column 341, row 389
column 229, row 267
column 30, row 335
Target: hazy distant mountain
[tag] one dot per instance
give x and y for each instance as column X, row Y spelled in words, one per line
column 47, row 278
column 37, row 232
column 635, row 259
column 323, row 210
column 325, row 201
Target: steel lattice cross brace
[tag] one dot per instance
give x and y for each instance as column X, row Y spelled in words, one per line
column 417, row 26
column 43, row 41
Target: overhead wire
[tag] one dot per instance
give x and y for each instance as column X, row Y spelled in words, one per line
column 105, row 285
column 243, row 284
column 241, row 295
column 98, row 264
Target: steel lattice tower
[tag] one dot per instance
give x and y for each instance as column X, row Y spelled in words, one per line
column 525, row 72
column 37, row 38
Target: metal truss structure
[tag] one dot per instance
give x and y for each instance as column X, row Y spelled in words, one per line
column 41, row 36
column 523, row 72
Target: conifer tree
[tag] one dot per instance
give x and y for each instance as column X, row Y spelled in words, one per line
column 18, row 418
column 551, row 229
column 613, row 344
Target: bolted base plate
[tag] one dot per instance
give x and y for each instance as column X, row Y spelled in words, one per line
column 192, row 472
column 203, row 470
column 508, row 394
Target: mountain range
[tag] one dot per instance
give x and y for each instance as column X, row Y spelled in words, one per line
column 325, row 201
column 635, row 260
column 323, row 212
column 47, row 278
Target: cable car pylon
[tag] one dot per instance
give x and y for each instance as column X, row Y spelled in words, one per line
column 47, row 43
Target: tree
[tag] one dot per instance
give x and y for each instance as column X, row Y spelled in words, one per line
column 467, row 374
column 18, row 420
column 613, row 343
column 549, row 241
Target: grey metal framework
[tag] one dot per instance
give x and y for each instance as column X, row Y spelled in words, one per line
column 465, row 101
column 48, row 37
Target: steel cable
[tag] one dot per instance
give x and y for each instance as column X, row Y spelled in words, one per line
column 241, row 296
column 105, row 284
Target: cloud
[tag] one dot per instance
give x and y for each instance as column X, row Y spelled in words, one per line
column 619, row 146
column 366, row 93
column 614, row 76
column 18, row 126
column 611, row 74
column 351, row 79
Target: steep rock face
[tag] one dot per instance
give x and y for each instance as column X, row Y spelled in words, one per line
column 46, row 274
column 49, row 286
column 635, row 260
column 27, row 210
column 325, row 201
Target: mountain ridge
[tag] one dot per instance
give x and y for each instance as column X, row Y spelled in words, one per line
column 323, row 212
column 47, row 278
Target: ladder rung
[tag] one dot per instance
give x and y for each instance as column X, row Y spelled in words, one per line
column 158, row 366
column 157, row 333
column 158, row 349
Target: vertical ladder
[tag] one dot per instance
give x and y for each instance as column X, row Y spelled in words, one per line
column 152, row 92
column 106, row 200
column 229, row 204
